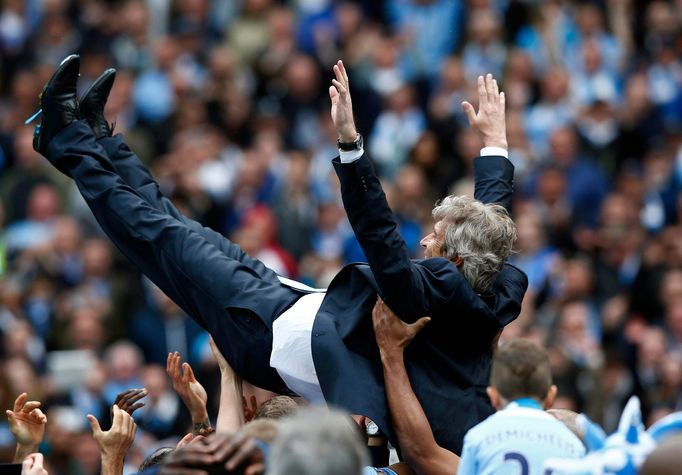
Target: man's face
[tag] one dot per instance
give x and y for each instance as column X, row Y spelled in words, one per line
column 433, row 243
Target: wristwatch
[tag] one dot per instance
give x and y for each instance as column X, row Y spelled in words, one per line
column 357, row 144
column 372, row 429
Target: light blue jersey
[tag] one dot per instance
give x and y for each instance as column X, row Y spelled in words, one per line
column 516, row 441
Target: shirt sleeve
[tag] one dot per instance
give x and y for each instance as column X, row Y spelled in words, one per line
column 498, row 151
column 350, row 156
column 468, row 465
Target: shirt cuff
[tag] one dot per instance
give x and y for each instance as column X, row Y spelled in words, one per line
column 488, row 151
column 350, row 156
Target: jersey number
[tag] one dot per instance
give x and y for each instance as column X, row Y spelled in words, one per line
column 517, row 457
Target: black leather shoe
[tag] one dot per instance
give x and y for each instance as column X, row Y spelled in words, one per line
column 93, row 101
column 59, row 103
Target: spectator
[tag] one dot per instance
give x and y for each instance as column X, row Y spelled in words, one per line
column 313, row 442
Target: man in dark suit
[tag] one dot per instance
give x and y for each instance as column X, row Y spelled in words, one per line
column 284, row 336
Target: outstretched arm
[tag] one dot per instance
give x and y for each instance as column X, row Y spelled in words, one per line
column 415, row 437
column 493, row 172
column 401, row 283
column 230, row 413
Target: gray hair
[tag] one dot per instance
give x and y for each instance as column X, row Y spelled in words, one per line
column 482, row 235
column 317, row 441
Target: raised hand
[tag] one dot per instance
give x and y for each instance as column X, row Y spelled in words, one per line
column 392, row 334
column 127, row 400
column 342, row 106
column 27, row 421
column 489, row 121
column 114, row 443
column 189, row 389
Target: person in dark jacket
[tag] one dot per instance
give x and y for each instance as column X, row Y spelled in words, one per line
column 318, row 343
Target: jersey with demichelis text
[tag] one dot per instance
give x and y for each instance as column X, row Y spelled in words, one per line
column 516, row 441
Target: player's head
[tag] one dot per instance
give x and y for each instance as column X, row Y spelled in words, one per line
column 477, row 237
column 665, row 459
column 521, row 369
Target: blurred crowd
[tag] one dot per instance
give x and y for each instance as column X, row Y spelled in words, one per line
column 226, row 101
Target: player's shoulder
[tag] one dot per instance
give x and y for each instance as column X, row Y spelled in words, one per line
column 484, row 427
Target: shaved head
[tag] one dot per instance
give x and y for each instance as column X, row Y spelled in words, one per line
column 665, row 460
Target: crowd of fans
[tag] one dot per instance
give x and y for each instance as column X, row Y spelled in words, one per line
column 226, row 101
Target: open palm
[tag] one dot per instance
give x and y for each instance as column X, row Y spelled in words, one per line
column 186, row 385
column 27, row 421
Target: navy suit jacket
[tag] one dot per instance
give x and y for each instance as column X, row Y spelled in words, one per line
column 449, row 361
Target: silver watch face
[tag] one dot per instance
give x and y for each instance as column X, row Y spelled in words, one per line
column 371, row 428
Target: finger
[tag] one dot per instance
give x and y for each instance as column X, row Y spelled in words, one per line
column 94, row 424
column 185, row 440
column 255, row 469
column 342, row 89
column 175, row 368
column 29, row 406
column 139, row 394
column 489, row 90
column 224, row 449
column 241, row 455
column 344, row 73
column 482, row 93
column 503, row 100
column 124, row 420
column 420, row 324
column 338, row 74
column 117, row 420
column 496, row 90
column 183, row 471
column 168, row 363
column 134, row 408
column 333, row 95
column 27, row 464
column 470, row 112
column 10, row 415
column 130, row 425
column 38, row 416
column 19, row 401
column 189, row 372
column 122, row 396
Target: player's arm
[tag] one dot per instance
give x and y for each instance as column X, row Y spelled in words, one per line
column 493, row 172
column 419, row 447
column 401, row 282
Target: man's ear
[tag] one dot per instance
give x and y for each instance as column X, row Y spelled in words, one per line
column 494, row 396
column 549, row 398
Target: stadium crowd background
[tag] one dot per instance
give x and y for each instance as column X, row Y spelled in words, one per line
column 227, row 103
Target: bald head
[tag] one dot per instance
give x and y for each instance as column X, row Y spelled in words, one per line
column 665, row 460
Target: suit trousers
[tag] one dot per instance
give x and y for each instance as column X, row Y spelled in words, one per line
column 230, row 294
